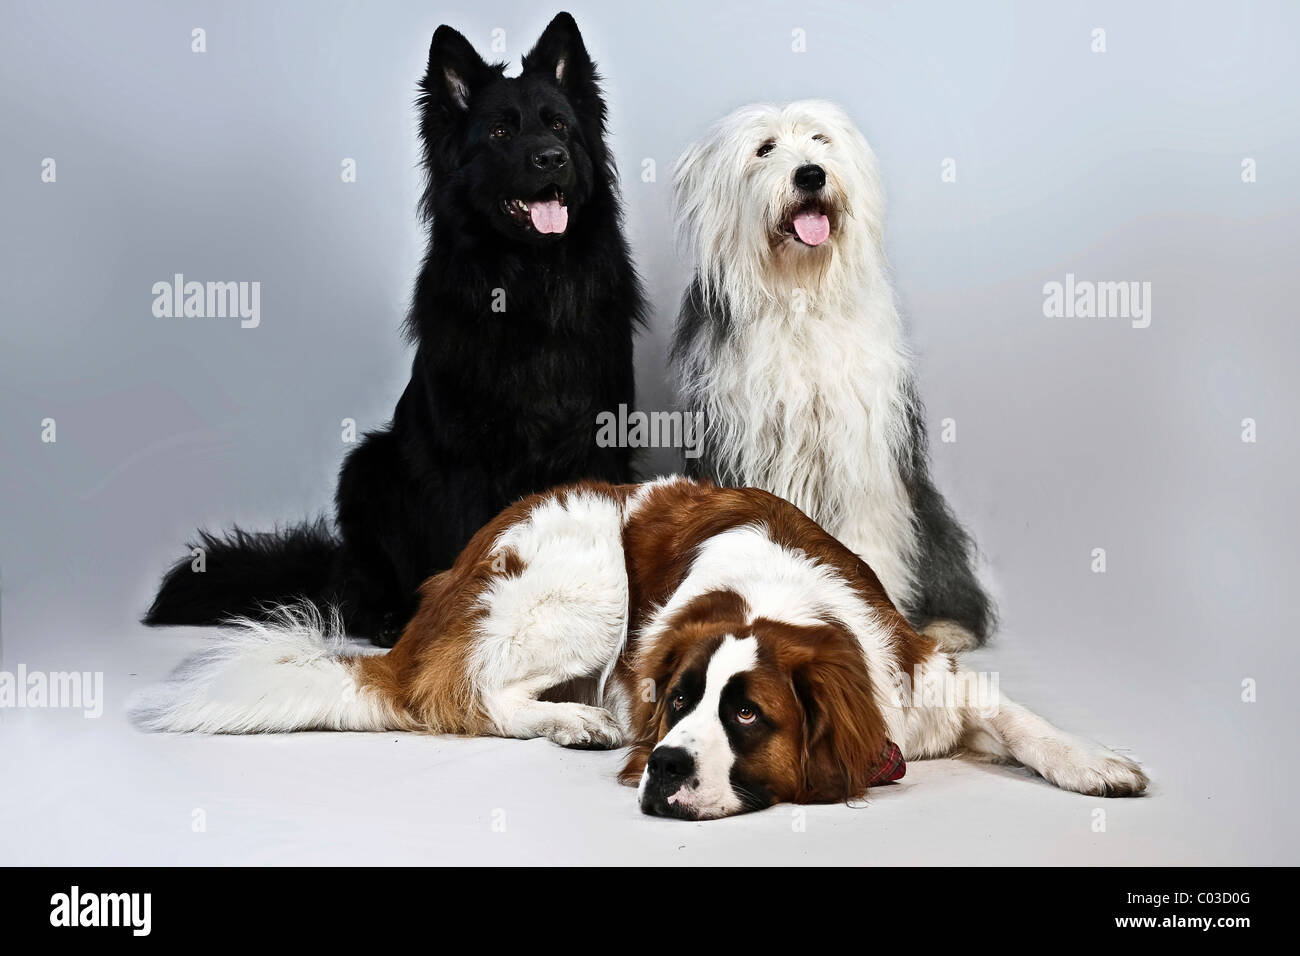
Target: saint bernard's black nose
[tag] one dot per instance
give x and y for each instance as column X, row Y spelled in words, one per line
column 810, row 177
column 670, row 767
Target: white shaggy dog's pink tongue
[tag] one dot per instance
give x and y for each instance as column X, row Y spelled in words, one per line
column 812, row 227
column 549, row 216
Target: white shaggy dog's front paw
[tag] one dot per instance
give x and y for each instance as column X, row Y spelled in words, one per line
column 578, row 725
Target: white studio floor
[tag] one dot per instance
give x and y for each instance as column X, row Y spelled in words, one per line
column 96, row 791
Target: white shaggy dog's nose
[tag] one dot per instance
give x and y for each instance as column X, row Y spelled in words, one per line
column 810, row 177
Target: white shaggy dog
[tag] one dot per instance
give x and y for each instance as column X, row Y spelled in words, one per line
column 790, row 343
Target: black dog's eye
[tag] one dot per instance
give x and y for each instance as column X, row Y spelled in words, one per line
column 558, row 125
column 500, row 131
column 818, row 137
column 766, row 148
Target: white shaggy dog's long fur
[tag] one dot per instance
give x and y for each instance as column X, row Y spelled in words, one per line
column 795, row 353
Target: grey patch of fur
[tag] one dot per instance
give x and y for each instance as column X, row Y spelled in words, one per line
column 946, row 585
column 700, row 330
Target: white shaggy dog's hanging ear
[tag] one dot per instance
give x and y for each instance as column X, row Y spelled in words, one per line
column 718, row 212
column 691, row 166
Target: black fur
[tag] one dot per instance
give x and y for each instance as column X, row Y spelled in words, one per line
column 500, row 404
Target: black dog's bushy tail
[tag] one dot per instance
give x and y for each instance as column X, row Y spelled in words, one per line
column 244, row 574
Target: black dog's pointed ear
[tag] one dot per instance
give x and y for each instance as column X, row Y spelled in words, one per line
column 455, row 71
column 561, row 57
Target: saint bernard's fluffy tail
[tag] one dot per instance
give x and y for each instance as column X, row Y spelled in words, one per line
column 293, row 671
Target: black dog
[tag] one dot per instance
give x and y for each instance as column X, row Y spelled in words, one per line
column 523, row 318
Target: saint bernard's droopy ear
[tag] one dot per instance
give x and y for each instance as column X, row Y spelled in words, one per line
column 654, row 672
column 844, row 731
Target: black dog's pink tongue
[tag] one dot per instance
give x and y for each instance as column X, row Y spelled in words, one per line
column 549, row 216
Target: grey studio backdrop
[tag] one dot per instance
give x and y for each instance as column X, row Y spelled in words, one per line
column 1071, row 434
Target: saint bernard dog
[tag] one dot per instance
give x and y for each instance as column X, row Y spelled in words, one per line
column 746, row 656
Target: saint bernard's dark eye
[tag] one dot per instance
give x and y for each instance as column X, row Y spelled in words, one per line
column 746, row 714
column 819, row 138
column 766, row 148
column 678, row 701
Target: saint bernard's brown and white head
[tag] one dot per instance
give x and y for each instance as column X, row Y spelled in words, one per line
column 751, row 713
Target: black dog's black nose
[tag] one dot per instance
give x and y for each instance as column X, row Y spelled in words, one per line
column 810, row 177
column 670, row 765
column 552, row 157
